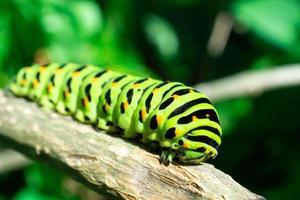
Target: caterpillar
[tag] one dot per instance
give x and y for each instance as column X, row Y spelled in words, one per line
column 178, row 119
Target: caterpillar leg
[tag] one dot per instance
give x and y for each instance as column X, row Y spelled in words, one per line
column 167, row 156
column 45, row 102
column 107, row 126
column 129, row 134
column 154, row 146
column 102, row 124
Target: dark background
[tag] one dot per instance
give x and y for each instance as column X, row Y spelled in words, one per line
column 179, row 40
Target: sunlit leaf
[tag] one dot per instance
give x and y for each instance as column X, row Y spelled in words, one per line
column 276, row 22
column 43, row 182
column 263, row 63
column 162, row 35
column 43, row 177
column 33, row 194
column 88, row 17
column 4, row 37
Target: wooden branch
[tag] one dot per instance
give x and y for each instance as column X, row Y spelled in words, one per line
column 251, row 83
column 248, row 83
column 110, row 165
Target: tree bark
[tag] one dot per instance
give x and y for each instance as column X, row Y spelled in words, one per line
column 112, row 166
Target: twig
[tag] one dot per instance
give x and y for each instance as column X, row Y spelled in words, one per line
column 251, row 83
column 110, row 165
column 220, row 34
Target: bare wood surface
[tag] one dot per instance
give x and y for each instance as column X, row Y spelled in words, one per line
column 251, row 83
column 110, row 165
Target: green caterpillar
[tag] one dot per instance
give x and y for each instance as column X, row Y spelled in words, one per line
column 177, row 117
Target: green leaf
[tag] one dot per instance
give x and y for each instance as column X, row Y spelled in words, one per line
column 276, row 22
column 88, row 17
column 33, row 194
column 263, row 62
column 41, row 176
column 4, row 37
column 43, row 182
column 162, row 35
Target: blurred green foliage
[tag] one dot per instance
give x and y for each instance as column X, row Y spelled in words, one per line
column 282, row 27
column 43, row 183
column 260, row 143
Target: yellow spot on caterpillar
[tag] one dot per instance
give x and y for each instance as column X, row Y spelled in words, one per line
column 190, row 90
column 114, row 84
column 159, row 119
column 23, row 82
column 136, row 85
column 42, row 68
column 175, row 96
column 85, row 101
column 207, row 115
column 155, row 91
column 57, row 71
column 94, row 80
column 194, row 118
column 50, row 87
column 185, row 145
column 126, row 104
column 144, row 114
column 35, row 83
column 66, row 92
column 177, row 132
column 75, row 74
column 106, row 107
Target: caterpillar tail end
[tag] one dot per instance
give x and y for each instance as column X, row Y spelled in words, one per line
column 14, row 88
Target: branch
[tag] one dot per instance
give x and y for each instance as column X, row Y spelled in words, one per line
column 247, row 83
column 110, row 165
column 250, row 83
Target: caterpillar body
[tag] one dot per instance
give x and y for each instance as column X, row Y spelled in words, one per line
column 177, row 117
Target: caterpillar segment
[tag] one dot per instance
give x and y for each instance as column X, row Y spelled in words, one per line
column 39, row 80
column 108, row 100
column 127, row 103
column 89, row 95
column 53, row 89
column 156, row 119
column 181, row 120
column 149, row 102
column 67, row 103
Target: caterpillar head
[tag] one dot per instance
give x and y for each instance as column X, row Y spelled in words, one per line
column 194, row 135
column 198, row 145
